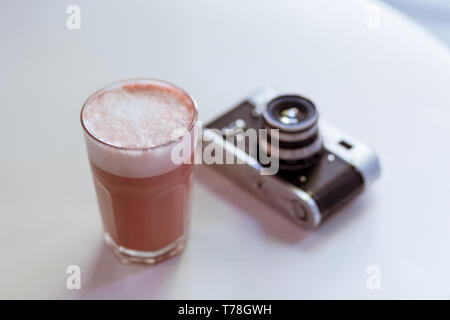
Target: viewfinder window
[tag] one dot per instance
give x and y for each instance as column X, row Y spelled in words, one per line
column 345, row 144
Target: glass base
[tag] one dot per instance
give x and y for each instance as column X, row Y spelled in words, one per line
column 146, row 257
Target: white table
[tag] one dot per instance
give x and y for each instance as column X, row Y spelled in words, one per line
column 372, row 72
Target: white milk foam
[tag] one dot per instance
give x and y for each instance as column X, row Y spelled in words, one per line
column 136, row 120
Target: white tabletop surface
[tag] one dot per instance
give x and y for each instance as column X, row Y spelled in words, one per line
column 370, row 70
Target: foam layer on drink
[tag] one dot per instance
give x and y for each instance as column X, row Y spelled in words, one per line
column 132, row 126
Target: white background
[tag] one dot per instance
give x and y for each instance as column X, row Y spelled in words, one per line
column 388, row 86
column 434, row 15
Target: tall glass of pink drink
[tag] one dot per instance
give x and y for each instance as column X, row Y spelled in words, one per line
column 131, row 128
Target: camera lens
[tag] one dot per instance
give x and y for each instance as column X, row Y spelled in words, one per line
column 298, row 135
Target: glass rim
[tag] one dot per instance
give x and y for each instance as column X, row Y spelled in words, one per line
column 137, row 80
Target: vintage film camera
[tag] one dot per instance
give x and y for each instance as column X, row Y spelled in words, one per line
column 320, row 167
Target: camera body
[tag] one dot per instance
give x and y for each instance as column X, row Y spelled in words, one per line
column 321, row 168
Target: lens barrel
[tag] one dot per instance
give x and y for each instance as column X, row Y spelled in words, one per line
column 297, row 134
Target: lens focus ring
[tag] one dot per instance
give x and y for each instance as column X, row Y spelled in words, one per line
column 293, row 137
column 296, row 154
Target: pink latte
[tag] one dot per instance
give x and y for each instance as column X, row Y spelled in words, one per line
column 131, row 128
